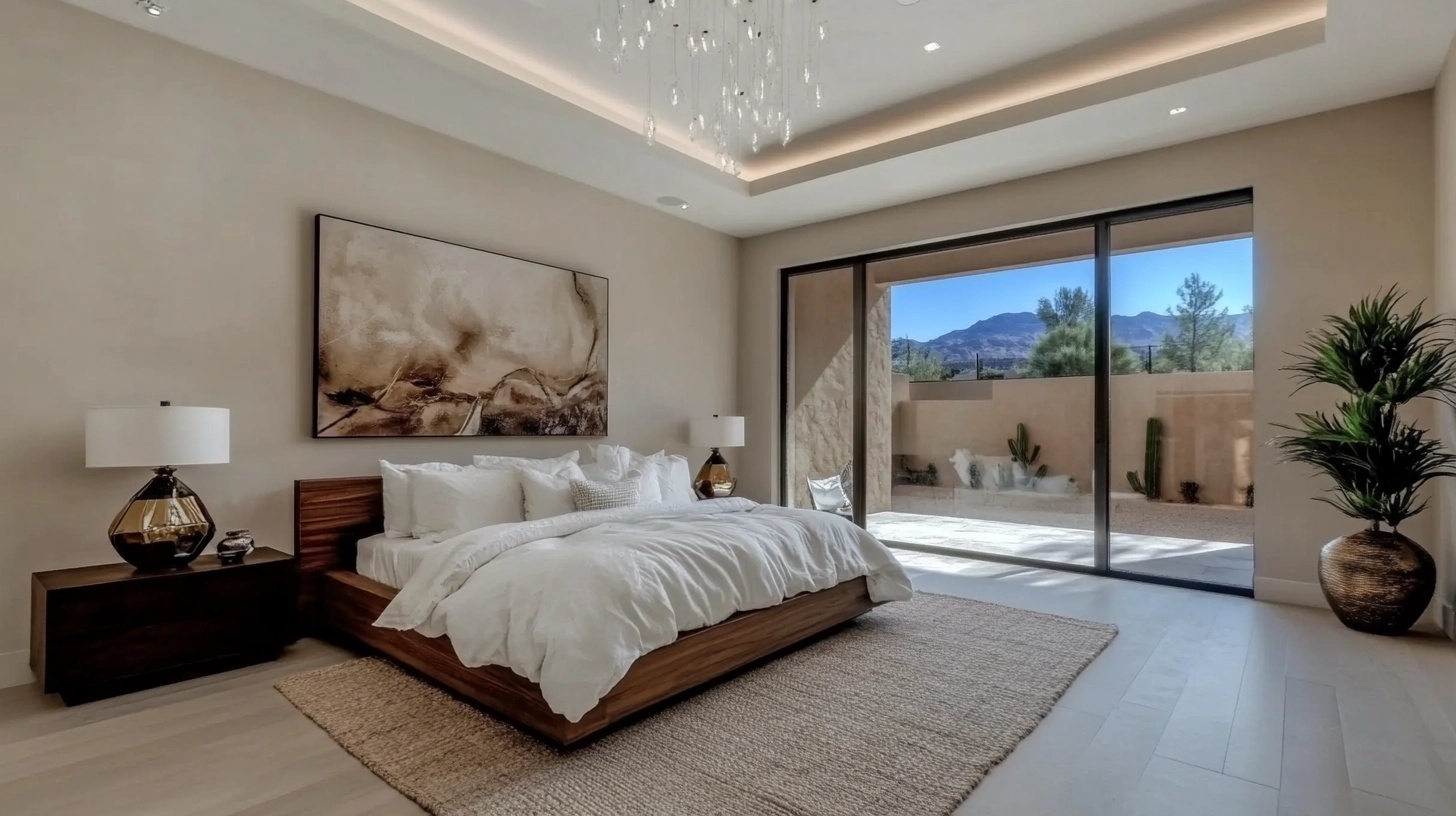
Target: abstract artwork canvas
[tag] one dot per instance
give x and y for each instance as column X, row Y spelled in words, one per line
column 417, row 337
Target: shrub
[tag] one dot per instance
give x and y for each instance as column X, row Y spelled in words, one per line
column 1189, row 491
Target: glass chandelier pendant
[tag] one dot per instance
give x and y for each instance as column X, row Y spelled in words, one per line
column 761, row 57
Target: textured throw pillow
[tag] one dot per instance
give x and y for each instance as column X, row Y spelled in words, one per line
column 649, row 486
column 549, row 494
column 591, row 495
column 447, row 504
column 553, row 465
column 399, row 518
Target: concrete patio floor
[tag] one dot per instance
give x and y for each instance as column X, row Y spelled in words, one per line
column 1216, row 562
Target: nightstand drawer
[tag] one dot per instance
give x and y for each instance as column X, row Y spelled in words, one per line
column 116, row 632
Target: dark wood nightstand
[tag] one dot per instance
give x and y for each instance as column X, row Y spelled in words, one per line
column 101, row 631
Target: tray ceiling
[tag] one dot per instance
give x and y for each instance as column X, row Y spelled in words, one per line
column 1018, row 86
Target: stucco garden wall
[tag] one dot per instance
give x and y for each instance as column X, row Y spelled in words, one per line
column 1208, row 421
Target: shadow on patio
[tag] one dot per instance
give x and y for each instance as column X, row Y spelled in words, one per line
column 1229, row 563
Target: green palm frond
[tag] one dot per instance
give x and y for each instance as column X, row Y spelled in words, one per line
column 1376, row 351
column 1383, row 360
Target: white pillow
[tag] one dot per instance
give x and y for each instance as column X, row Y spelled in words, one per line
column 649, row 483
column 399, row 517
column 605, row 495
column 552, row 465
column 549, row 494
column 448, row 503
column 828, row 494
column 612, row 459
column 674, row 479
column 596, row 473
column 677, row 481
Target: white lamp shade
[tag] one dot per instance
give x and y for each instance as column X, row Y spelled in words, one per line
column 156, row 436
column 716, row 432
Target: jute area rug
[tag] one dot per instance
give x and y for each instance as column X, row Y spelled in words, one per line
column 904, row 713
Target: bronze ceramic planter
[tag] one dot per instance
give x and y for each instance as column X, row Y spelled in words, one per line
column 1377, row 581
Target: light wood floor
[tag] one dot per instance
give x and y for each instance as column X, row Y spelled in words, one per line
column 1204, row 704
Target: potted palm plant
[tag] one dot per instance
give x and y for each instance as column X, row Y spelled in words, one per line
column 1376, row 580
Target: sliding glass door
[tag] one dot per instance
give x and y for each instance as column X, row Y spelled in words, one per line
column 1183, row 419
column 1077, row 395
column 988, row 444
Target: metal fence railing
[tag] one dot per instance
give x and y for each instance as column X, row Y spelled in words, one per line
column 992, row 367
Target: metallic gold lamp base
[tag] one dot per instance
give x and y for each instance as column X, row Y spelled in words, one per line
column 714, row 480
column 164, row 526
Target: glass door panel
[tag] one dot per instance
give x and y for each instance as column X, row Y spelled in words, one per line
column 980, row 394
column 1181, row 418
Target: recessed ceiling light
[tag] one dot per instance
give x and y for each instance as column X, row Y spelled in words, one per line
column 672, row 203
column 152, row 7
column 1176, row 111
column 932, row 46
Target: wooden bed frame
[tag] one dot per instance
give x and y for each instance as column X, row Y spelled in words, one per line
column 333, row 514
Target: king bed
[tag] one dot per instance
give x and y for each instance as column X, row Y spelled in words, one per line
column 353, row 580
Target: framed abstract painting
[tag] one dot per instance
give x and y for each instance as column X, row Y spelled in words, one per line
column 416, row 337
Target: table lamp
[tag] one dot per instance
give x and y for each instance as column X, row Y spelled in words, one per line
column 714, row 480
column 165, row 524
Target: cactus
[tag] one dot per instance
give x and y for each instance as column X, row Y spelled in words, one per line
column 1024, row 454
column 1136, row 482
column 1150, row 481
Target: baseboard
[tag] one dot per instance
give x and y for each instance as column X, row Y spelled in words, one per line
column 1297, row 593
column 1307, row 593
column 15, row 668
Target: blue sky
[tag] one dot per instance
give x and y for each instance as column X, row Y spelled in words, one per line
column 1141, row 282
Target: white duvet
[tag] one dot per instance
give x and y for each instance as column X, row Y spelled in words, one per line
column 571, row 602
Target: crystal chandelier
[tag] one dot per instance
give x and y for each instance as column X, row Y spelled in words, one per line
column 736, row 69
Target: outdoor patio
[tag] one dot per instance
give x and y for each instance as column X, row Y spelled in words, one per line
column 1210, row 543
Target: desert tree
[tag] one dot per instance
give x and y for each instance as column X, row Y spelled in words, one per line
column 1205, row 332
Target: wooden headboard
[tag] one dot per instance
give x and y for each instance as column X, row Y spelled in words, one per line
column 330, row 516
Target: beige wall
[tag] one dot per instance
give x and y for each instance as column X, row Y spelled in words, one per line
column 1445, row 300
column 1342, row 206
column 1207, row 426
column 156, row 241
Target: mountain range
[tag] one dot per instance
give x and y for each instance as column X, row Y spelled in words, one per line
column 1013, row 334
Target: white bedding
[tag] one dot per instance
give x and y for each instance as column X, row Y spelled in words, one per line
column 570, row 602
column 390, row 560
